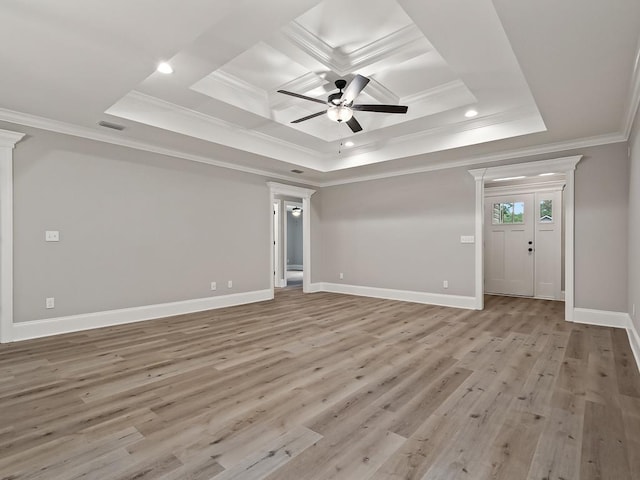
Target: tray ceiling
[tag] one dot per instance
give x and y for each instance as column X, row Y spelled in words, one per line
column 541, row 73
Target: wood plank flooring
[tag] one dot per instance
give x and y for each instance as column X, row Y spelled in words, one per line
column 326, row 386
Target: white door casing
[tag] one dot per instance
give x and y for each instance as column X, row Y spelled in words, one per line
column 566, row 165
column 305, row 194
column 509, row 248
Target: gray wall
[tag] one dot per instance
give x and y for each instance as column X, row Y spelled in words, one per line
column 404, row 232
column 140, row 229
column 294, row 239
column 601, row 216
column 634, row 225
column 135, row 228
column 400, row 233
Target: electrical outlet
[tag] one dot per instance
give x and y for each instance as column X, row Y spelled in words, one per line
column 213, row 286
column 50, row 302
column 341, row 276
column 230, row 284
column 445, row 284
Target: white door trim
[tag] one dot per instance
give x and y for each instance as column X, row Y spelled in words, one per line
column 305, row 194
column 566, row 165
column 8, row 142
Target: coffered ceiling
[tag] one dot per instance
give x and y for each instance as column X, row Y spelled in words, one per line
column 541, row 75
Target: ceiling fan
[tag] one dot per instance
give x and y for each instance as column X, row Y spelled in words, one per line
column 340, row 104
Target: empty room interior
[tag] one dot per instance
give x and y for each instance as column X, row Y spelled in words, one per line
column 320, row 239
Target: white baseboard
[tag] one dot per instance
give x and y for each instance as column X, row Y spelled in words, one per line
column 634, row 341
column 75, row 323
column 602, row 318
column 456, row 301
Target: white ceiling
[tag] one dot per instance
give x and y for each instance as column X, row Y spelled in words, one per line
column 543, row 75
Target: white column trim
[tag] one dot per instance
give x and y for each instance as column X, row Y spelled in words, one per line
column 566, row 165
column 305, row 194
column 8, row 141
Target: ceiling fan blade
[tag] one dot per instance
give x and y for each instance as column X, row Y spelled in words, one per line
column 354, row 88
column 308, row 117
column 304, row 97
column 354, row 125
column 381, row 108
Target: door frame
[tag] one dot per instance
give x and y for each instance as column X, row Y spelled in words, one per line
column 552, row 186
column 565, row 165
column 304, row 194
column 285, row 234
column 277, row 247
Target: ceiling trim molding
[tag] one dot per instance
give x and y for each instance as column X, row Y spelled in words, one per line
column 8, row 139
column 427, row 95
column 305, row 83
column 56, row 126
column 312, row 45
column 478, row 160
column 382, row 48
column 216, row 122
column 634, row 97
column 345, row 63
column 560, row 165
column 381, row 93
column 496, row 191
column 236, row 84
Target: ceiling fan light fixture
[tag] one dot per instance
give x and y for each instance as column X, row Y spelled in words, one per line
column 296, row 211
column 339, row 114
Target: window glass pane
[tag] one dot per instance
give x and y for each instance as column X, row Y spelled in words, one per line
column 496, row 216
column 546, row 211
column 507, row 212
column 518, row 212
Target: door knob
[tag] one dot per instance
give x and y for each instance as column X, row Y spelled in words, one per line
column 530, row 249
column 530, row 242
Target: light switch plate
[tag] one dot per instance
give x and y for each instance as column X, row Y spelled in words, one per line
column 52, row 236
column 467, row 239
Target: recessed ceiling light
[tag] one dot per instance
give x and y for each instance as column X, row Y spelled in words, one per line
column 509, row 178
column 348, row 143
column 165, row 68
column 471, row 113
column 546, row 174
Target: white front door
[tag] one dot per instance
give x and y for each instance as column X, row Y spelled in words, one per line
column 509, row 248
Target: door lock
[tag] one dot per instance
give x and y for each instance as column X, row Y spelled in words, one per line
column 530, row 249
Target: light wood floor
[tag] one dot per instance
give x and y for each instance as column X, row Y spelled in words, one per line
column 326, row 386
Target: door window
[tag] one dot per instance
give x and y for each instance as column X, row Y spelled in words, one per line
column 510, row 212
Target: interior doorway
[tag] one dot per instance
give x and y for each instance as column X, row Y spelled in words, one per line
column 300, row 199
column 564, row 165
column 523, row 238
column 293, row 243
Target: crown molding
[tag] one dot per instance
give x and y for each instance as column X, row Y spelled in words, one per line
column 311, row 45
column 9, row 139
column 397, row 42
column 560, row 165
column 441, row 90
column 385, row 48
column 305, row 83
column 487, row 158
column 226, row 133
column 213, row 81
column 47, row 124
